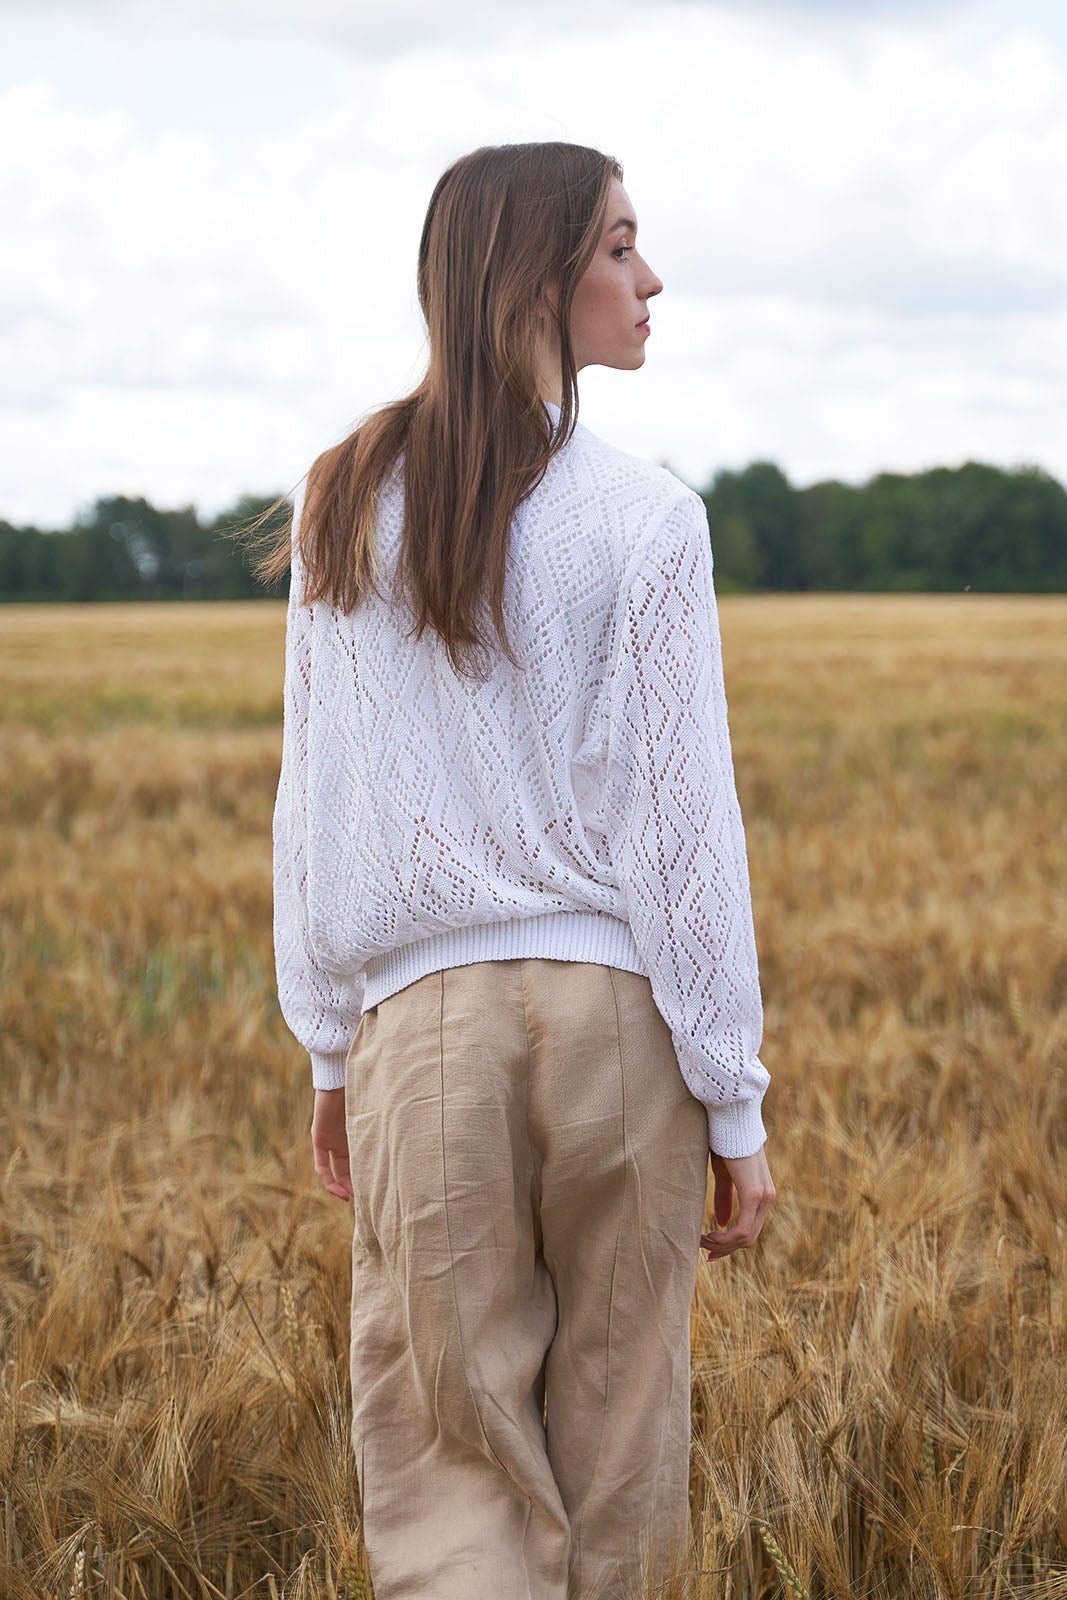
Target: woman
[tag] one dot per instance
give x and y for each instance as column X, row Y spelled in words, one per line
column 513, row 924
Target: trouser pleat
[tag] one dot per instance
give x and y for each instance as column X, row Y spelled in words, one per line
column 529, row 1172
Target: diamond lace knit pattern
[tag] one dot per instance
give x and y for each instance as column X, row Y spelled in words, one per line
column 583, row 808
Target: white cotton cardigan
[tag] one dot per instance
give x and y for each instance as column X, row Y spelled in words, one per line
column 582, row 807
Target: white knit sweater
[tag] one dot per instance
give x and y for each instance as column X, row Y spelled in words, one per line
column 583, row 809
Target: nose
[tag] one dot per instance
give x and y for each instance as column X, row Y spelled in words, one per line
column 652, row 285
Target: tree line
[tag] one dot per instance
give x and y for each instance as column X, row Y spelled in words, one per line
column 974, row 527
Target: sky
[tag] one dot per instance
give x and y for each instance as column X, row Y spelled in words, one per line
column 212, row 212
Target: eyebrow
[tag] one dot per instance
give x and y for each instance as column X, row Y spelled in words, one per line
column 623, row 222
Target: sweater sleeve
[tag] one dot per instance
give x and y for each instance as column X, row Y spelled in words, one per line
column 675, row 829
column 322, row 1010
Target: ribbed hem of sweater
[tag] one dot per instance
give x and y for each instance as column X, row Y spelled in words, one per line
column 733, row 1130
column 557, row 936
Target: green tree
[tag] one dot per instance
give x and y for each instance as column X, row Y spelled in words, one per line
column 762, row 496
column 738, row 560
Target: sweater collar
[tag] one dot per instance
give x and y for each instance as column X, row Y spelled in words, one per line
column 554, row 415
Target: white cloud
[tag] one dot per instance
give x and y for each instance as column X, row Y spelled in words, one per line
column 375, row 31
column 862, row 242
column 365, row 29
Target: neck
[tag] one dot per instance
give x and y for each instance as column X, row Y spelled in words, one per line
column 549, row 377
column 550, row 387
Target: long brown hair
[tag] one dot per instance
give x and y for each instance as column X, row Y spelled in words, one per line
column 509, row 231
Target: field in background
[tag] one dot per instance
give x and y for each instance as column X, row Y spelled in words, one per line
column 880, row 1388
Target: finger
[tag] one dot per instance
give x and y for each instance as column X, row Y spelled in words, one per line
column 719, row 1245
column 342, row 1174
column 325, row 1173
column 744, row 1233
column 725, row 1244
column 330, row 1184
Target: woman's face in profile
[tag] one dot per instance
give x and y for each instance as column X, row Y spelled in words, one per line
column 609, row 312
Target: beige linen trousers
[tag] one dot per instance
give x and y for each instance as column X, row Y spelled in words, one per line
column 529, row 1173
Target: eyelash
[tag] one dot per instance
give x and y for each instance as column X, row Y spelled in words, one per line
column 621, row 252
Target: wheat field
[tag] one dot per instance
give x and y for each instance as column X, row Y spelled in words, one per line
column 879, row 1388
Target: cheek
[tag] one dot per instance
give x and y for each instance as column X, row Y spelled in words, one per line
column 596, row 303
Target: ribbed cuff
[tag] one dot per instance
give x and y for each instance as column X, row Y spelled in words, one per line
column 328, row 1071
column 736, row 1130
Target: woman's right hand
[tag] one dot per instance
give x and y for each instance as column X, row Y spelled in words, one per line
column 751, row 1177
column 329, row 1142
